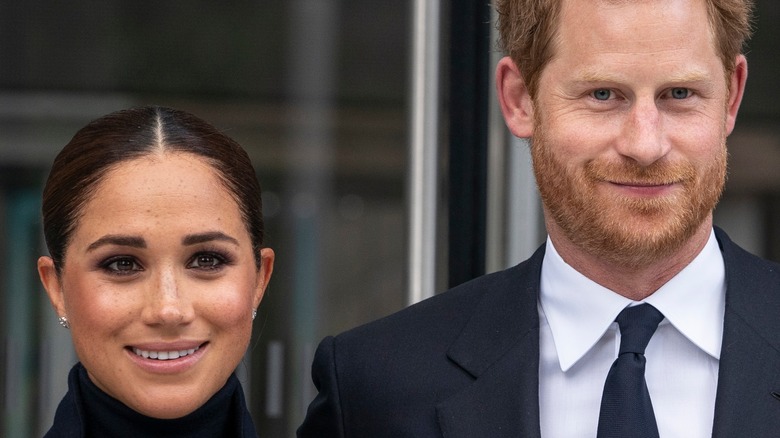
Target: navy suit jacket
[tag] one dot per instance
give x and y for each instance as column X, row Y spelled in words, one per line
column 465, row 363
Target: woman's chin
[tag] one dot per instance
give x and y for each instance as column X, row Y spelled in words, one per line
column 167, row 408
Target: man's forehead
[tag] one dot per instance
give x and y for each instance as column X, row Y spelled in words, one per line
column 617, row 2
column 594, row 45
column 619, row 23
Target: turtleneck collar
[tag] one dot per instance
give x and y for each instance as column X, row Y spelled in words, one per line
column 87, row 411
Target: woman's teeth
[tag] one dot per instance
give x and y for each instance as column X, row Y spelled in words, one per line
column 163, row 355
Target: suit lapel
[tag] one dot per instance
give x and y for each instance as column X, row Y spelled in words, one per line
column 750, row 356
column 499, row 347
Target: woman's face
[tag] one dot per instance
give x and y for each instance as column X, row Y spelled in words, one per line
column 158, row 284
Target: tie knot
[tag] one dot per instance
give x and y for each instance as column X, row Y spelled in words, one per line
column 637, row 325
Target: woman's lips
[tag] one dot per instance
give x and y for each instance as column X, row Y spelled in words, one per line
column 163, row 355
column 167, row 359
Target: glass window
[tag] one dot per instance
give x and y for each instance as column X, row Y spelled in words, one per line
column 316, row 91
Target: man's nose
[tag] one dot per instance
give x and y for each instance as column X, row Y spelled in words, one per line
column 643, row 138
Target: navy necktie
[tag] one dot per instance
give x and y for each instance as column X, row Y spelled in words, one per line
column 626, row 409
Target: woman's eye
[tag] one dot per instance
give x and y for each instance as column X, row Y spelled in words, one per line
column 680, row 93
column 206, row 261
column 123, row 265
column 602, row 94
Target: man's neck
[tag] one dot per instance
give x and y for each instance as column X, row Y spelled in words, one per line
column 635, row 283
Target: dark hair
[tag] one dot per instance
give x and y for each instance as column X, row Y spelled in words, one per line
column 124, row 135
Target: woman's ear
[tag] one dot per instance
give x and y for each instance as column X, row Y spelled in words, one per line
column 51, row 282
column 515, row 100
column 263, row 275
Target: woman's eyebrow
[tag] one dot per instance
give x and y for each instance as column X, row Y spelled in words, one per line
column 193, row 239
column 119, row 240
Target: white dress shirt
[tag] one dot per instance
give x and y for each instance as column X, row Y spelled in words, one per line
column 579, row 340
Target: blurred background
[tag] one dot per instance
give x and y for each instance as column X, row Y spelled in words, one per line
column 387, row 172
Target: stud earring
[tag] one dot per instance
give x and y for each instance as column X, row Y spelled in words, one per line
column 63, row 320
column 254, row 314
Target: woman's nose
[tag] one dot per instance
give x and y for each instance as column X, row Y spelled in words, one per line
column 166, row 303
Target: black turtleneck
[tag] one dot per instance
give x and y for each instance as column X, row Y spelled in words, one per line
column 87, row 411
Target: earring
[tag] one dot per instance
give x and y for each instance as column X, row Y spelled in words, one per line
column 254, row 314
column 63, row 320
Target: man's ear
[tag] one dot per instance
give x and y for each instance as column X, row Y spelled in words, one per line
column 263, row 275
column 736, row 85
column 51, row 282
column 515, row 100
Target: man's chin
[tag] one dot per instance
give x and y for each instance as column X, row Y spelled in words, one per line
column 634, row 241
column 645, row 249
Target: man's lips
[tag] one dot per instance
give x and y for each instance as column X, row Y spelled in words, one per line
column 645, row 188
column 643, row 183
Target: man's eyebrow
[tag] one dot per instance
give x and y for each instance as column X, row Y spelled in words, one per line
column 194, row 239
column 119, row 240
column 588, row 76
column 692, row 76
column 595, row 76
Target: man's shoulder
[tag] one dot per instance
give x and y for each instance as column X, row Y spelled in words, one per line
column 752, row 285
column 745, row 266
column 384, row 378
column 441, row 317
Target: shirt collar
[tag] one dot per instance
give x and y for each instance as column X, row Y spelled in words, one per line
column 579, row 311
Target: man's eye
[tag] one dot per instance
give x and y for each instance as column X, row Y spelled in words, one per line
column 680, row 93
column 602, row 94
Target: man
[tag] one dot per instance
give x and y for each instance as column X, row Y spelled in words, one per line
column 627, row 104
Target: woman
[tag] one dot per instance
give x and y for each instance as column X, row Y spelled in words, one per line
column 153, row 222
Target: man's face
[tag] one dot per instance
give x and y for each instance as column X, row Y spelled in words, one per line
column 630, row 121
